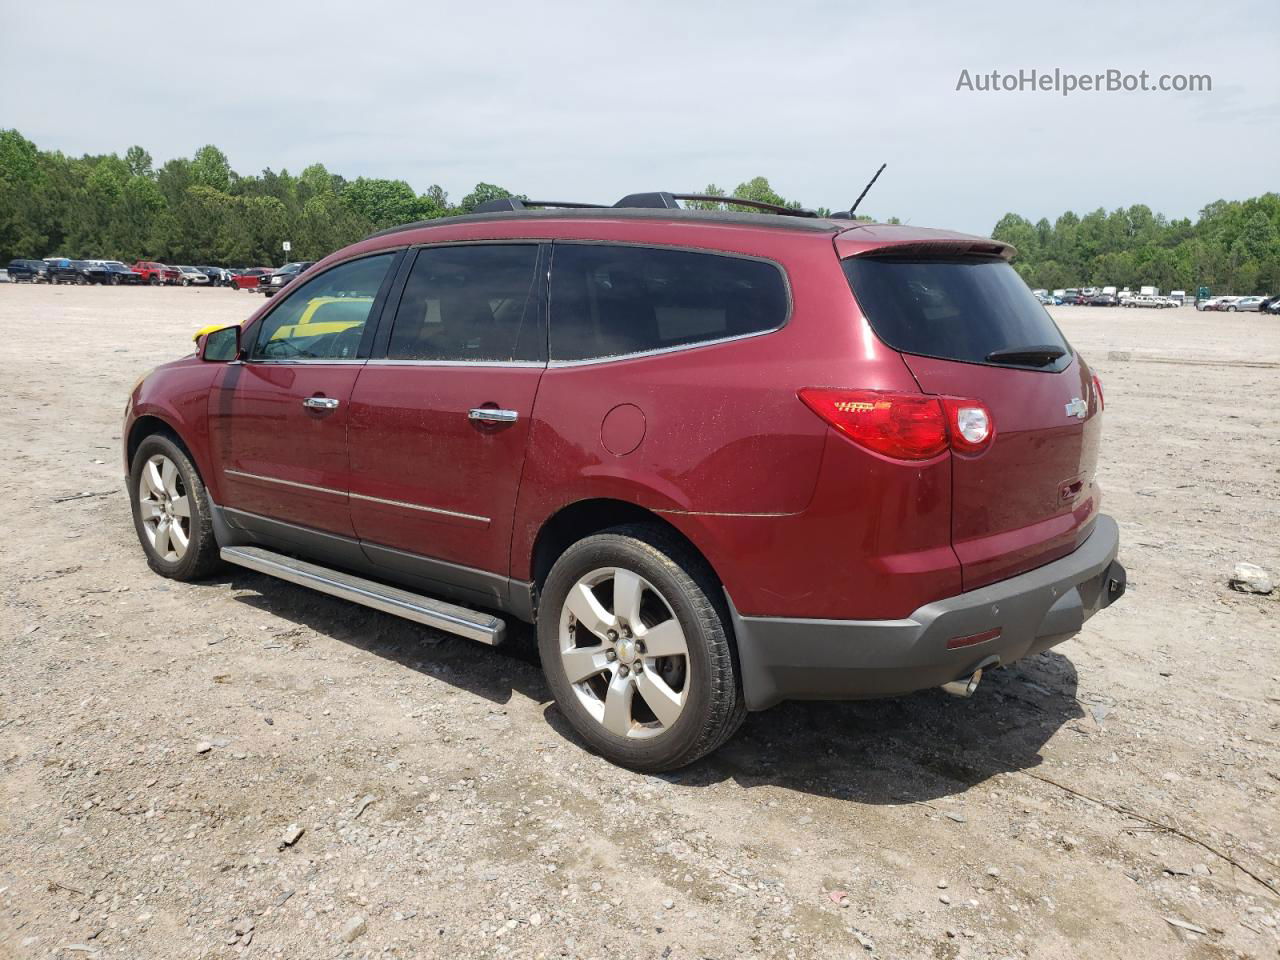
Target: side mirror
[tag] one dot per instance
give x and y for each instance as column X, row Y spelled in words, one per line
column 221, row 346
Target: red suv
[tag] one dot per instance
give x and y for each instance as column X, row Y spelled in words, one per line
column 719, row 459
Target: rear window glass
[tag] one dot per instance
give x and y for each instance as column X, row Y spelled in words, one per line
column 609, row 301
column 470, row 303
column 960, row 309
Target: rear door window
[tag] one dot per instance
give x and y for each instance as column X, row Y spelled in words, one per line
column 611, row 301
column 967, row 308
column 471, row 302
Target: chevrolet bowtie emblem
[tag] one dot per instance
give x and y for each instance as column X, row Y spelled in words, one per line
column 1077, row 408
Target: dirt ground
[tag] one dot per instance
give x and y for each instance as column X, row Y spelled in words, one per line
column 158, row 741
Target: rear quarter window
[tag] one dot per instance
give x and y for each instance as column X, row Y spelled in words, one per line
column 610, row 300
column 965, row 309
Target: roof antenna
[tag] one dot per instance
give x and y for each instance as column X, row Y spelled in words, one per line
column 865, row 189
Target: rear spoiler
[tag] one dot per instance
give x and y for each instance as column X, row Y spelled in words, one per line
column 941, row 249
column 893, row 240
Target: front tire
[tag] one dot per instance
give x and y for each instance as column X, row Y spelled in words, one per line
column 635, row 644
column 171, row 513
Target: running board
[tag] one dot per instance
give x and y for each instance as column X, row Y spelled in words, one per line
column 402, row 603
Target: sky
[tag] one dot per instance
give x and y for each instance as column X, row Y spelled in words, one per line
column 591, row 101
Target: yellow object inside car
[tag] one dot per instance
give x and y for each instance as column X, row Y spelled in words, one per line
column 320, row 316
column 326, row 315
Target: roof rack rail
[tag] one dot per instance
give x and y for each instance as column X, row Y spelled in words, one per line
column 506, row 204
column 665, row 200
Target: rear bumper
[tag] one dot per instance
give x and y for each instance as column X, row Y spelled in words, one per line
column 799, row 659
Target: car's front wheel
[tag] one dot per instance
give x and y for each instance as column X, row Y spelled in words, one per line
column 171, row 511
column 634, row 639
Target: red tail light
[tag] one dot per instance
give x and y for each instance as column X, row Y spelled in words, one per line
column 904, row 426
column 1097, row 391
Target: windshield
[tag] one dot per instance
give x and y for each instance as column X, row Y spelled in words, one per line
column 971, row 309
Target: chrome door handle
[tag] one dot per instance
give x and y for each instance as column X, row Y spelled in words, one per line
column 321, row 403
column 490, row 415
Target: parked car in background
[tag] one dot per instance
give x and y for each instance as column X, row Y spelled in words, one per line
column 1273, row 307
column 1214, row 304
column 28, row 271
column 1104, row 300
column 1178, row 295
column 249, row 279
column 62, row 270
column 218, row 276
column 192, row 276
column 1147, row 300
column 91, row 271
column 120, row 274
column 1266, row 305
column 4, row 276
column 283, row 276
column 1245, row 304
column 442, row 423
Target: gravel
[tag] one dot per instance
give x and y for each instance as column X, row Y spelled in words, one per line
column 493, row 832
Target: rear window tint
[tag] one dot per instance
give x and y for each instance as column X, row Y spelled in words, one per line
column 470, row 303
column 959, row 309
column 609, row 301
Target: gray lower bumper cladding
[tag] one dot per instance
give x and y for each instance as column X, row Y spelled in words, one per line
column 798, row 659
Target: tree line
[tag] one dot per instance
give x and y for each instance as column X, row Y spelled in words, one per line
column 199, row 210
column 1232, row 247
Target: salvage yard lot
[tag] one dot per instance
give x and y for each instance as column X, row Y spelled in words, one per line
column 160, row 741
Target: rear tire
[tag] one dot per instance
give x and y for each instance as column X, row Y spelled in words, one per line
column 171, row 513
column 635, row 644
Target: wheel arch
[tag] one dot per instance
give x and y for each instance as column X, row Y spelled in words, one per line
column 582, row 518
column 149, row 424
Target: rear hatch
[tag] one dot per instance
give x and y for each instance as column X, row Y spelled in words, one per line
column 967, row 326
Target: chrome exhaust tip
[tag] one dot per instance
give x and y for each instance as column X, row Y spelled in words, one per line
column 965, row 686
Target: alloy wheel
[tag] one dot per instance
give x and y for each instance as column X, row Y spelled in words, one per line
column 624, row 653
column 165, row 508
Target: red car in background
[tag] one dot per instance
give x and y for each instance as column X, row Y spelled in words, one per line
column 251, row 278
column 156, row 273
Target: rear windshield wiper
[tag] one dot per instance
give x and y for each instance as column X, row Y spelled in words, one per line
column 1040, row 355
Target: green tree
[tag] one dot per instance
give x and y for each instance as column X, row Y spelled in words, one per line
column 384, row 203
column 482, row 193
column 138, row 161
column 758, row 189
column 710, row 190
column 210, row 168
